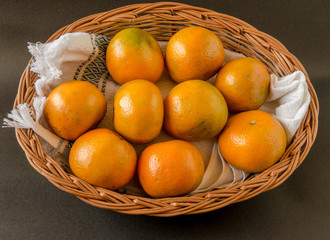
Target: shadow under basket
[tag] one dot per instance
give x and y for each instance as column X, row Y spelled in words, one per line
column 162, row 20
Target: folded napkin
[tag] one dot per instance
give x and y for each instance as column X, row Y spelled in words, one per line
column 81, row 56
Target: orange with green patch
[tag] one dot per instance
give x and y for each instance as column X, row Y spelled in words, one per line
column 134, row 54
column 195, row 110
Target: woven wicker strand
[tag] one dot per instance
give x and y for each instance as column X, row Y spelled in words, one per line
column 162, row 20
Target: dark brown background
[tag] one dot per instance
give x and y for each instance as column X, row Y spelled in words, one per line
column 32, row 208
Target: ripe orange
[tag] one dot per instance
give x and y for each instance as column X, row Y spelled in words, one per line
column 194, row 53
column 134, row 54
column 195, row 110
column 244, row 82
column 138, row 111
column 73, row 108
column 103, row 158
column 252, row 141
column 170, row 168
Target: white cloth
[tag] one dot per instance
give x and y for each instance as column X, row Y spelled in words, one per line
column 288, row 101
column 81, row 56
column 56, row 62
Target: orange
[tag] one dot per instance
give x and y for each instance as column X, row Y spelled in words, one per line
column 134, row 54
column 252, row 141
column 138, row 111
column 103, row 158
column 194, row 53
column 73, row 108
column 244, row 82
column 170, row 168
column 194, row 110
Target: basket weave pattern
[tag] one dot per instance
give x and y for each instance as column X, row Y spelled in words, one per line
column 162, row 20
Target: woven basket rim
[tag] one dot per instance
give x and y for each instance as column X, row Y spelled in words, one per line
column 248, row 39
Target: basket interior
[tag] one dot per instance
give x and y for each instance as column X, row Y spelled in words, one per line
column 163, row 20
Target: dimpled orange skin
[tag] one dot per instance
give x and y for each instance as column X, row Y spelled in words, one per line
column 73, row 108
column 194, row 110
column 103, row 158
column 252, row 141
column 134, row 54
column 138, row 111
column 244, row 83
column 169, row 169
column 194, row 53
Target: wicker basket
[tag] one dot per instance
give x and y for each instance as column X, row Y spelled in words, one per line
column 162, row 20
